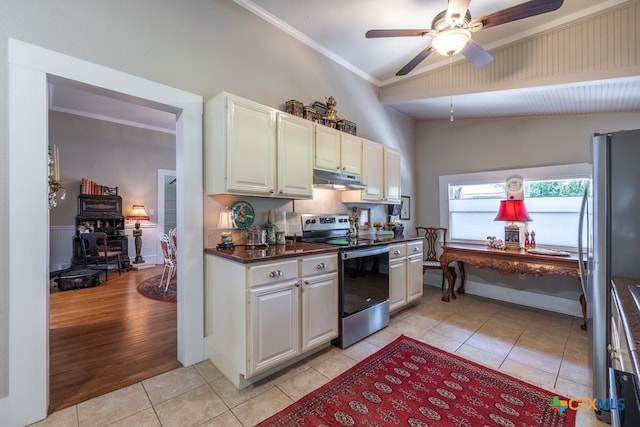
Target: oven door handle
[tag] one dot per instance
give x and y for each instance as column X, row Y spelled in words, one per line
column 359, row 253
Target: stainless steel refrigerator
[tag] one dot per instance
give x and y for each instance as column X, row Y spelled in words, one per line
column 612, row 239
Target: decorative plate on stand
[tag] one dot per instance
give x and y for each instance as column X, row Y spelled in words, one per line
column 243, row 214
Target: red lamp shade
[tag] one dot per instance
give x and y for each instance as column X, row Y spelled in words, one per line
column 512, row 210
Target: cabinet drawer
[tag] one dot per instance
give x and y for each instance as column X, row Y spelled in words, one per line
column 272, row 273
column 414, row 248
column 397, row 251
column 318, row 265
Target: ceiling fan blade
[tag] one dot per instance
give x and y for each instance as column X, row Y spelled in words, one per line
column 415, row 61
column 514, row 13
column 476, row 54
column 396, row 33
column 456, row 11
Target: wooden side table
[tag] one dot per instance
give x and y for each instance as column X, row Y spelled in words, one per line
column 507, row 261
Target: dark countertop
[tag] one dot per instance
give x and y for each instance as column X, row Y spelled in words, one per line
column 630, row 316
column 249, row 254
column 246, row 254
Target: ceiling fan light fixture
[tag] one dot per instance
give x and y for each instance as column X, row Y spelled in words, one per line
column 450, row 42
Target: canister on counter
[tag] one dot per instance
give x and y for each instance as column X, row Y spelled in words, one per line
column 280, row 239
column 271, row 234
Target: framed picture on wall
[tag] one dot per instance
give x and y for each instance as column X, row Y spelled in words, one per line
column 405, row 207
column 364, row 219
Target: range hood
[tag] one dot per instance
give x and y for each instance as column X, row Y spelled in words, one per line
column 336, row 180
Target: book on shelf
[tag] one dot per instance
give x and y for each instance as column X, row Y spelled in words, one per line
column 88, row 186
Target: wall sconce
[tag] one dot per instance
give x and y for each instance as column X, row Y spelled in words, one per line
column 54, row 177
column 226, row 223
column 513, row 211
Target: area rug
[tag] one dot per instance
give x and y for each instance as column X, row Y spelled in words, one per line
column 151, row 288
column 410, row 383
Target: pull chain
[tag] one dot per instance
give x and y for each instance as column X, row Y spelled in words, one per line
column 450, row 87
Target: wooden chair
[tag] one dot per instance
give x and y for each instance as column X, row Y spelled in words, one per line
column 435, row 238
column 98, row 255
column 169, row 260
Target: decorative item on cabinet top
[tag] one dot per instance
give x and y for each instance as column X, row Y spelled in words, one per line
column 323, row 113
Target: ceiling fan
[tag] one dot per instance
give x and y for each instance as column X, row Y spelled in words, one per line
column 451, row 30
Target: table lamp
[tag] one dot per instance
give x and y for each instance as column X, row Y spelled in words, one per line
column 512, row 211
column 226, row 224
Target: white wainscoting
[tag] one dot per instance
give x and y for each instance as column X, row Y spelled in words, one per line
column 61, row 245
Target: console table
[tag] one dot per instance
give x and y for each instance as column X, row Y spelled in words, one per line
column 507, row 261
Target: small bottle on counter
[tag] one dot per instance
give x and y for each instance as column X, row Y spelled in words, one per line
column 280, row 239
column 532, row 243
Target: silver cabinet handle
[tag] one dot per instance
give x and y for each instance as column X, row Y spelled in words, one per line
column 396, row 252
column 276, row 273
column 321, row 266
column 306, row 282
column 415, row 249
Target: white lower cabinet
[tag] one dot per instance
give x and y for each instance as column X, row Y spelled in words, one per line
column 262, row 317
column 273, row 334
column 405, row 273
column 397, row 276
column 415, row 281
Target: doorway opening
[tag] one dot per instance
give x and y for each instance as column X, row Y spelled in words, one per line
column 29, row 70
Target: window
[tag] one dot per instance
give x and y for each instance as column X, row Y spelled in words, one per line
column 553, row 195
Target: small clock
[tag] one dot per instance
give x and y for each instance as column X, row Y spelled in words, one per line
column 515, row 188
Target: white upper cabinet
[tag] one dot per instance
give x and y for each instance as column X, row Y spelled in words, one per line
column 351, row 154
column 337, row 151
column 372, row 170
column 392, row 175
column 244, row 148
column 295, row 156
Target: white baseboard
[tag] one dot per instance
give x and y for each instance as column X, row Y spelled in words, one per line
column 517, row 296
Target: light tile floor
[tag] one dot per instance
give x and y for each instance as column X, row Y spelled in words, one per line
column 542, row 348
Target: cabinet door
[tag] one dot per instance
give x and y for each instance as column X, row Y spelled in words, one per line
column 319, row 310
column 350, row 154
column 414, row 278
column 250, row 147
column 392, row 175
column 372, row 176
column 327, row 149
column 397, row 283
column 273, row 335
column 295, row 156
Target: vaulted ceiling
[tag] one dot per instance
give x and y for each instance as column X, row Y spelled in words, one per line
column 337, row 29
column 582, row 58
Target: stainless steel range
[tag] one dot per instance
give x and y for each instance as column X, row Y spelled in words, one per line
column 363, row 276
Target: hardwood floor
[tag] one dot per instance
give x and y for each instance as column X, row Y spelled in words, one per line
column 108, row 337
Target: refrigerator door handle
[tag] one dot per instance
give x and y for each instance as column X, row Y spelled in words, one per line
column 583, row 213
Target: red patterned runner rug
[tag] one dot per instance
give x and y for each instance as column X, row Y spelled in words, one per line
column 410, row 383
